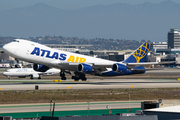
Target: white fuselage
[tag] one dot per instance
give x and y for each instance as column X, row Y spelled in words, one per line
column 41, row 54
column 24, row 72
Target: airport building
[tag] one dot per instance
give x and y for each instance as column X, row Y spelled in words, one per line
column 167, row 51
column 159, row 45
column 165, row 113
column 173, row 38
column 5, row 57
column 172, row 46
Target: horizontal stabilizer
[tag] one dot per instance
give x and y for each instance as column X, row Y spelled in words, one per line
column 148, row 69
column 149, row 63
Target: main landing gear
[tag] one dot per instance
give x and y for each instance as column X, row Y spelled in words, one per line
column 62, row 74
column 78, row 76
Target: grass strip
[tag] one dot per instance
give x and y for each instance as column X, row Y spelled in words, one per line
column 92, row 95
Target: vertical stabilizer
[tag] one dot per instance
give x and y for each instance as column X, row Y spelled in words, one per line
column 139, row 55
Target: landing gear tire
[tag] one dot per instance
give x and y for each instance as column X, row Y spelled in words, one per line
column 39, row 77
column 75, row 78
column 78, row 76
column 31, row 77
column 84, row 79
column 63, row 78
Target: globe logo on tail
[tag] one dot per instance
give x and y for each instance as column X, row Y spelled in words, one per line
column 141, row 52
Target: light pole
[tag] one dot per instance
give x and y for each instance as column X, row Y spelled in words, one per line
column 88, row 108
column 109, row 107
column 129, row 103
column 51, row 101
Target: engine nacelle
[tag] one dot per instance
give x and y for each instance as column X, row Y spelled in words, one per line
column 119, row 68
column 40, row 68
column 84, row 68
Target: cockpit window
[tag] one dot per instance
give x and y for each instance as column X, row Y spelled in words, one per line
column 15, row 41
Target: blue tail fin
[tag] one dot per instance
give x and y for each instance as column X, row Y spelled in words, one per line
column 139, row 55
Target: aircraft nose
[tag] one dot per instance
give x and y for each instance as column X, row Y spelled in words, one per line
column 8, row 48
column 5, row 47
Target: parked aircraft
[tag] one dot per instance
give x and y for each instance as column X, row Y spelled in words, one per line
column 45, row 57
column 25, row 72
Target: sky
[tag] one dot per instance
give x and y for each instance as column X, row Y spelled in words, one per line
column 69, row 4
column 78, row 4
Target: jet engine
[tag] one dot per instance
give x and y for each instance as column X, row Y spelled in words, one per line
column 84, row 68
column 119, row 67
column 40, row 68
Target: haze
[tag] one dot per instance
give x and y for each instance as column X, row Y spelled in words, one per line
column 69, row 4
column 136, row 20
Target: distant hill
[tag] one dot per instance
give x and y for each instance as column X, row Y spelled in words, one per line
column 147, row 21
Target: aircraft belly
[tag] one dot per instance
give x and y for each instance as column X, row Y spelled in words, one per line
column 112, row 73
column 16, row 75
column 66, row 67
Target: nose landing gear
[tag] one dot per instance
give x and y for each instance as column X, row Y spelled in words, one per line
column 62, row 74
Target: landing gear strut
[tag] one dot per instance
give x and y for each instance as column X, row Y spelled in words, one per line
column 78, row 76
column 31, row 77
column 62, row 74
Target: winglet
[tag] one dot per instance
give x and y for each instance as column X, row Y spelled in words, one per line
column 139, row 55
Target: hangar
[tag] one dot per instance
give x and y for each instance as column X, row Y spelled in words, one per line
column 165, row 113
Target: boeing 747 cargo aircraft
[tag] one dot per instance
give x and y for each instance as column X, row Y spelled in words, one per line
column 45, row 58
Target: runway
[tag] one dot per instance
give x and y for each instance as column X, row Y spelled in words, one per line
column 151, row 79
column 91, row 84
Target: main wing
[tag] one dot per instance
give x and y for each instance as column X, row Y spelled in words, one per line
column 98, row 68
